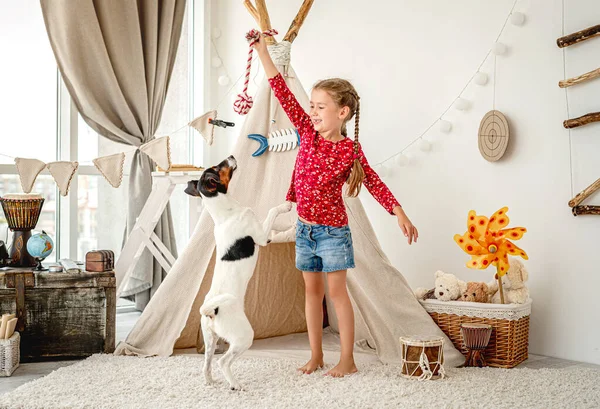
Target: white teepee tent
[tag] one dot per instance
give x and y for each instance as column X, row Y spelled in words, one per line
column 385, row 307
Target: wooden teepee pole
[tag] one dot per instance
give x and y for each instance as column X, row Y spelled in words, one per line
column 292, row 32
column 265, row 21
column 252, row 10
column 261, row 15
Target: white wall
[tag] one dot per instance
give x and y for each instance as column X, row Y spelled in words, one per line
column 409, row 60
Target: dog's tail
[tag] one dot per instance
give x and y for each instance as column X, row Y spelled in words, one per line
column 210, row 308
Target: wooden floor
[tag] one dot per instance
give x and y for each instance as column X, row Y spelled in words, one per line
column 125, row 321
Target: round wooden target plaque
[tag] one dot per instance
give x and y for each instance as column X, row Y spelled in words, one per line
column 493, row 135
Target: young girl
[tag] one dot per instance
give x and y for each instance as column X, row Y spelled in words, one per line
column 326, row 159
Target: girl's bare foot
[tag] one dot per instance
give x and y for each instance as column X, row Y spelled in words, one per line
column 312, row 365
column 344, row 367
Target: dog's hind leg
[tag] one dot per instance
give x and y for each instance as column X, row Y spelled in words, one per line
column 235, row 350
column 210, row 345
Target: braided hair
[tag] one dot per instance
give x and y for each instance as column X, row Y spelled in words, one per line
column 343, row 94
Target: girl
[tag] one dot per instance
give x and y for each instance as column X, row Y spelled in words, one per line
column 326, row 159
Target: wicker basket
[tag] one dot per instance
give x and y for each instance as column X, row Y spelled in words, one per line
column 9, row 354
column 509, row 343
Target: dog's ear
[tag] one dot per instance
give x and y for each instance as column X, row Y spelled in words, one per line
column 208, row 185
column 192, row 188
column 212, row 181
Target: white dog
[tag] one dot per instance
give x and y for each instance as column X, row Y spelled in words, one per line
column 237, row 235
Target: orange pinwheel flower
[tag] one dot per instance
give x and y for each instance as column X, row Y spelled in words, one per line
column 487, row 241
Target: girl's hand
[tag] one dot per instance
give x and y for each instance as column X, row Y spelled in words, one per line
column 261, row 45
column 409, row 230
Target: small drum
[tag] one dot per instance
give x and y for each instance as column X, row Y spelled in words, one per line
column 22, row 212
column 476, row 338
column 422, row 357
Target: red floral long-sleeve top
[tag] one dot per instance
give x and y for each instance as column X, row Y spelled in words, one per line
column 322, row 167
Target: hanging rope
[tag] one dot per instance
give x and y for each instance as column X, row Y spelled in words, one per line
column 243, row 102
column 427, row 373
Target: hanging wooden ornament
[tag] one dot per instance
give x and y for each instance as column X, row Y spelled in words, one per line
column 63, row 173
column 493, row 135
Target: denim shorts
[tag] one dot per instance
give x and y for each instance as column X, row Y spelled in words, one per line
column 323, row 248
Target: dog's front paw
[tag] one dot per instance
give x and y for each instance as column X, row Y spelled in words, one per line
column 284, row 207
column 209, row 381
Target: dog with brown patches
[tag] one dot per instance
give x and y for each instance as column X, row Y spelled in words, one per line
column 237, row 232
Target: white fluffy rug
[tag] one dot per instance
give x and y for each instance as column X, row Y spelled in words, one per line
column 106, row 381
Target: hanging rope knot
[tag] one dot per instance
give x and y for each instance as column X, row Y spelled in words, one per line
column 244, row 102
column 253, row 35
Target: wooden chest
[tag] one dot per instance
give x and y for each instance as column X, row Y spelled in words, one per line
column 60, row 315
column 100, row 260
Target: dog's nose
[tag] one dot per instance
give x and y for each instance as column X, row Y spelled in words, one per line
column 441, row 293
column 232, row 162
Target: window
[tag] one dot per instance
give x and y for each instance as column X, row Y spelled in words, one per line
column 45, row 125
column 28, row 105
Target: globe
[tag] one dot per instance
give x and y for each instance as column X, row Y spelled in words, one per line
column 40, row 246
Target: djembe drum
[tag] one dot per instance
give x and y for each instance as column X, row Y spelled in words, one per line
column 22, row 212
column 422, row 357
column 476, row 338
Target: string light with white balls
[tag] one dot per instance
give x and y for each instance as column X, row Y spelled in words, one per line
column 459, row 103
column 401, row 158
column 217, row 62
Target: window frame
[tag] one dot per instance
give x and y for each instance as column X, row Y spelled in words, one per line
column 67, row 138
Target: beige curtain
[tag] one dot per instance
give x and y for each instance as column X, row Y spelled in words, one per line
column 116, row 58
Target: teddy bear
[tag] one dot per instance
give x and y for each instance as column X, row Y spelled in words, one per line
column 475, row 292
column 513, row 284
column 447, row 288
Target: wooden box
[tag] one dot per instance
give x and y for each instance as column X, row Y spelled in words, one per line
column 61, row 315
column 100, row 260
